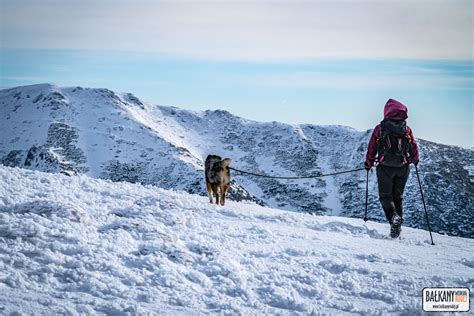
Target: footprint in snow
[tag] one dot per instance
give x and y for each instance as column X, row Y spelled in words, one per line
column 125, row 212
column 117, row 225
column 47, row 209
column 370, row 258
column 335, row 267
column 172, row 253
column 467, row 263
column 203, row 250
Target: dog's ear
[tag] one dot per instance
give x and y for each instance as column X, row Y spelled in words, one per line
column 226, row 162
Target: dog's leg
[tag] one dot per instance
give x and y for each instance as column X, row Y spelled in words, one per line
column 209, row 191
column 215, row 189
column 227, row 186
column 224, row 189
column 221, row 189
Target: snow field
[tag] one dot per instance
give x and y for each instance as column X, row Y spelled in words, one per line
column 78, row 245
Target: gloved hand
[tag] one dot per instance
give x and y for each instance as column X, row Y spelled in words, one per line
column 367, row 165
column 415, row 162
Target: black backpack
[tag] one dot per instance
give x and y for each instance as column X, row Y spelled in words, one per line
column 393, row 147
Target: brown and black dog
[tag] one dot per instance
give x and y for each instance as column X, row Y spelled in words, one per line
column 217, row 177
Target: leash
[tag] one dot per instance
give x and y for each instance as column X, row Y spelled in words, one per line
column 320, row 175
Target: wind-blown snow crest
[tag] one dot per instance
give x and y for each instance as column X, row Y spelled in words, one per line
column 78, row 245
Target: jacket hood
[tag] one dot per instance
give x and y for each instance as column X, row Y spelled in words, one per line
column 395, row 110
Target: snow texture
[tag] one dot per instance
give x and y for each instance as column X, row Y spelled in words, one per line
column 79, row 245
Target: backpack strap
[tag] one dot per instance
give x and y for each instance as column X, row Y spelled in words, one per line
column 381, row 142
column 407, row 149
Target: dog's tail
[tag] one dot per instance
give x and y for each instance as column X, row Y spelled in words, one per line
column 226, row 162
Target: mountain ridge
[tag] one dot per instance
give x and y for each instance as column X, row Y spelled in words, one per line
column 119, row 137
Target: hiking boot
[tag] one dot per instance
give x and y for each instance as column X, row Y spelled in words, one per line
column 395, row 226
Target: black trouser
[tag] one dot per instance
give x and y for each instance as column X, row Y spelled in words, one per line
column 392, row 182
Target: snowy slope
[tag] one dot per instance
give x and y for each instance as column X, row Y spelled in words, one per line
column 78, row 245
column 100, row 133
column 116, row 136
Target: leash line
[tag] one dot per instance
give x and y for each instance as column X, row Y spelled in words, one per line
column 320, row 175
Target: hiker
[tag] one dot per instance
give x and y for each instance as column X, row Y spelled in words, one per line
column 392, row 144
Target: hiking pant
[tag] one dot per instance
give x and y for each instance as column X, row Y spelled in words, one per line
column 391, row 181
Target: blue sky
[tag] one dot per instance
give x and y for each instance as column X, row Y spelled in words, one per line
column 314, row 62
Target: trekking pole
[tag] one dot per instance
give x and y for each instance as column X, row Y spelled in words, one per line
column 424, row 204
column 366, row 196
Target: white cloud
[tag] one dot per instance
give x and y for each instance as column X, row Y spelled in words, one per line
column 246, row 30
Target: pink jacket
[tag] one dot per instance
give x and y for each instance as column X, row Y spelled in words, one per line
column 396, row 111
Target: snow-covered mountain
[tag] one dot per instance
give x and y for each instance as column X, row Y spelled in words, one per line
column 122, row 138
column 79, row 245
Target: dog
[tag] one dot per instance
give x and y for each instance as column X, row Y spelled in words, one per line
column 217, row 175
